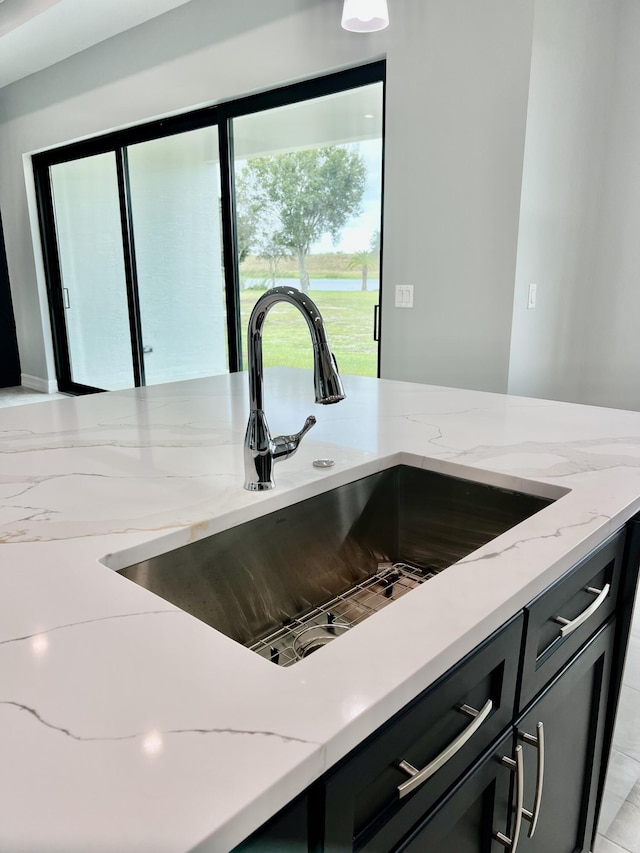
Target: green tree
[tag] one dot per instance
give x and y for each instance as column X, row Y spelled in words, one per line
column 362, row 260
column 246, row 228
column 301, row 195
column 246, row 231
column 269, row 247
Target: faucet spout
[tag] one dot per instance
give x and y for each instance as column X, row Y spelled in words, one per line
column 261, row 451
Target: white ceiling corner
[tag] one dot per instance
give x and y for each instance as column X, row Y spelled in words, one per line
column 35, row 34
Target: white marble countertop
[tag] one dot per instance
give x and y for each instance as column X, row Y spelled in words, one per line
column 126, row 724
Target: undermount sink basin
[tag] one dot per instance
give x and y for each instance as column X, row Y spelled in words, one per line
column 288, row 582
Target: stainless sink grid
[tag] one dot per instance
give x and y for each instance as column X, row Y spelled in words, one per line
column 390, row 582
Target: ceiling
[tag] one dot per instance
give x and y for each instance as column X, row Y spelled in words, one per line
column 35, row 34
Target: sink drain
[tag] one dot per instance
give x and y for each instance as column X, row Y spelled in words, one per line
column 314, row 637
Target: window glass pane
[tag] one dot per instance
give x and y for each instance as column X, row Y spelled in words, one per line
column 175, row 199
column 308, row 192
column 87, row 213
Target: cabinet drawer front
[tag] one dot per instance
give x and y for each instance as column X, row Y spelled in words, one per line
column 364, row 807
column 469, row 817
column 576, row 605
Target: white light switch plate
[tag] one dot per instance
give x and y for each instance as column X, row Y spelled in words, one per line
column 532, row 296
column 404, row 296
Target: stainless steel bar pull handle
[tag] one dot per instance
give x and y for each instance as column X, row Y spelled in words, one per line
column 570, row 625
column 420, row 776
column 536, row 740
column 517, row 767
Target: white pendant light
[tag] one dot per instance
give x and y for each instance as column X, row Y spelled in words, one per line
column 365, row 16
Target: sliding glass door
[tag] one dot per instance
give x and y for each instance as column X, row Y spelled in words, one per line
column 308, row 197
column 92, row 271
column 154, row 273
column 159, row 239
column 174, row 188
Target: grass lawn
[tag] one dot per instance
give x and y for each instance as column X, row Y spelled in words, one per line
column 326, row 265
column 348, row 317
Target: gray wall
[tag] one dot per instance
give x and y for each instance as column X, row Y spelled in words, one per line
column 580, row 216
column 612, row 366
column 457, row 96
column 567, row 133
column 456, row 120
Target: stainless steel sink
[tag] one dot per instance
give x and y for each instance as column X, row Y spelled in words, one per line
column 286, row 583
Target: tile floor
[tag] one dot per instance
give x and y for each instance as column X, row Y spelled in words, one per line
column 619, row 829
column 19, row 396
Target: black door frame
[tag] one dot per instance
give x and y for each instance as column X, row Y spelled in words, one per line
column 9, row 356
column 220, row 115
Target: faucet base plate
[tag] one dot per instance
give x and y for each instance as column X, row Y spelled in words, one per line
column 259, row 487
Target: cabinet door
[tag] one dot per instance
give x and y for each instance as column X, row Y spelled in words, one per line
column 468, row 819
column 573, row 711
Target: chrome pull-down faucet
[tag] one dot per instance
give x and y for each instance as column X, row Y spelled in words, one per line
column 261, row 451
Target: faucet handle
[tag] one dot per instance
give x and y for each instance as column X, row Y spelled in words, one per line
column 286, row 445
column 310, row 422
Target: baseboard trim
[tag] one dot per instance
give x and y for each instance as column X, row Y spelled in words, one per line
column 36, row 383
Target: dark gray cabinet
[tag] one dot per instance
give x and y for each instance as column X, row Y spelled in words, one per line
column 549, row 678
column 287, row 832
column 570, row 713
column 366, row 804
column 584, row 597
column 573, row 712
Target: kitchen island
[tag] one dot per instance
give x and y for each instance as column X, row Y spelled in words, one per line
column 125, row 723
